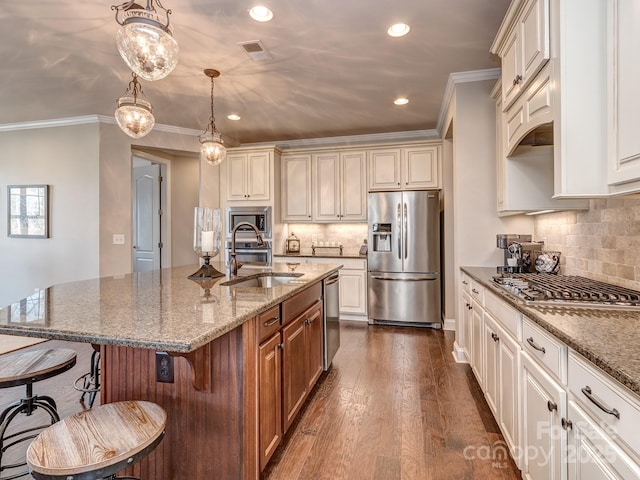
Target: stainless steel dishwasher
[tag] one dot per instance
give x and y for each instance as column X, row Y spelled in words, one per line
column 331, row 318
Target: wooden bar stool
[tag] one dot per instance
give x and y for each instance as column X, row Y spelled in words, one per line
column 26, row 368
column 97, row 443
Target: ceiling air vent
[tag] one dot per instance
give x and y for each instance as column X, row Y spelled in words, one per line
column 256, row 50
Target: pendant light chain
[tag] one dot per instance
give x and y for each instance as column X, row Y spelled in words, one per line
column 212, row 119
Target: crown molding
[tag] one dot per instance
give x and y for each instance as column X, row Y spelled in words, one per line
column 88, row 119
column 351, row 139
column 461, row 77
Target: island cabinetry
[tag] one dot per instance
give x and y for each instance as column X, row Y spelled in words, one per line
column 269, row 383
column 404, row 168
column 302, row 351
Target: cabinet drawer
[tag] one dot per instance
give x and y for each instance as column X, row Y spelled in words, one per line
column 610, row 404
column 293, row 307
column 477, row 292
column 510, row 319
column 269, row 322
column 465, row 283
column 544, row 347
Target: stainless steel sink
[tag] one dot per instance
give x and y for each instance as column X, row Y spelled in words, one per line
column 262, row 280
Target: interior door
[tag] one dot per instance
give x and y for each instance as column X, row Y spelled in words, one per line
column 146, row 218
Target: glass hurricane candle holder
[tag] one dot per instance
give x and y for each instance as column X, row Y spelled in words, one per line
column 206, row 240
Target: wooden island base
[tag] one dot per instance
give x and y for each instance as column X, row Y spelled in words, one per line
column 211, row 406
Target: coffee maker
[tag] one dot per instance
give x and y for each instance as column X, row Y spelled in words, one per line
column 518, row 253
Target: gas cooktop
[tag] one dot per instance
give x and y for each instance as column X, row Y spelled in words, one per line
column 567, row 290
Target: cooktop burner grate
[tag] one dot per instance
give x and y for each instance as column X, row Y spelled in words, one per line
column 560, row 289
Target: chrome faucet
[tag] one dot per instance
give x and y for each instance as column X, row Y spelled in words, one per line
column 233, row 263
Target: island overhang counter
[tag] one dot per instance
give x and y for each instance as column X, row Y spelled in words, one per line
column 205, row 332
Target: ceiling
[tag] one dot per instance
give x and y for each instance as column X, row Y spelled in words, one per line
column 334, row 69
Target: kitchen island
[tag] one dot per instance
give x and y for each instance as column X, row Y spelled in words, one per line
column 190, row 346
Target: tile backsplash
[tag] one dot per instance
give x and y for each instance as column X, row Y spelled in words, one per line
column 602, row 243
column 350, row 234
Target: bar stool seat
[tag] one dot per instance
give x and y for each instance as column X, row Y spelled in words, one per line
column 97, row 443
column 27, row 368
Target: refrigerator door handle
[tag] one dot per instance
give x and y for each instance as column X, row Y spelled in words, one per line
column 399, row 223
column 406, row 279
column 406, row 231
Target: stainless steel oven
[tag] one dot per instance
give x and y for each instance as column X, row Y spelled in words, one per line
column 259, row 216
column 249, row 252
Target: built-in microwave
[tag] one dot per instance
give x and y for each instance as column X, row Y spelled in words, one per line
column 258, row 216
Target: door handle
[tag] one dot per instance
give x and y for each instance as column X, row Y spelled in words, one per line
column 611, row 411
column 408, row 279
column 399, row 223
column 272, row 321
column 535, row 345
column 406, row 230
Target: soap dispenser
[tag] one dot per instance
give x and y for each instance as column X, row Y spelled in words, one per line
column 293, row 244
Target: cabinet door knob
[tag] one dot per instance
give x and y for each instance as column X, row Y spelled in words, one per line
column 517, row 80
column 281, row 346
column 552, row 406
column 566, row 424
column 495, row 337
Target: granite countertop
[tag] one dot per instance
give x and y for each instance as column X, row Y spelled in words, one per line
column 608, row 338
column 159, row 310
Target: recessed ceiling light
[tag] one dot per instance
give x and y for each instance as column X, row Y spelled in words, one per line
column 398, row 30
column 260, row 13
column 401, row 101
column 233, row 116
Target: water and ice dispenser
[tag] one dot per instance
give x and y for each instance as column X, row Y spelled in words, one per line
column 381, row 237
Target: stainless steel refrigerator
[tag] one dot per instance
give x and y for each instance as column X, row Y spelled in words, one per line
column 404, row 258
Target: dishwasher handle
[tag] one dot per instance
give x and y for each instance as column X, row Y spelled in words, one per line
column 331, row 280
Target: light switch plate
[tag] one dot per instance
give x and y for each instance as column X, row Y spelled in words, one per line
column 118, row 239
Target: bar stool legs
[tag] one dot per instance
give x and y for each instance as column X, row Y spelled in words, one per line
column 26, row 368
column 26, row 406
column 89, row 383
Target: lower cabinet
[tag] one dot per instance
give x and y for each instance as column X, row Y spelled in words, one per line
column 543, row 438
column 560, row 415
column 270, row 401
column 302, row 360
column 592, row 454
column 289, row 364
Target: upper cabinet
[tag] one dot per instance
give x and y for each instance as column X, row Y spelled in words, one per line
column 296, row 180
column 249, row 174
column 526, row 49
column 554, row 58
column 404, row 168
column 624, row 95
column 339, row 186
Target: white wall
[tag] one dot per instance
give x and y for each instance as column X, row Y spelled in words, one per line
column 66, row 158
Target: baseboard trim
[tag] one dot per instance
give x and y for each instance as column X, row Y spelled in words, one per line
column 458, row 354
column 355, row 317
column 449, row 324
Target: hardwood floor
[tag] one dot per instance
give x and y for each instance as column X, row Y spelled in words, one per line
column 395, row 405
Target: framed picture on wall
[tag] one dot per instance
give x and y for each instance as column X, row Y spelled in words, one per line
column 28, row 211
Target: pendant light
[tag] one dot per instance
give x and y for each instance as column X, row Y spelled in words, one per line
column 212, row 149
column 134, row 114
column 144, row 40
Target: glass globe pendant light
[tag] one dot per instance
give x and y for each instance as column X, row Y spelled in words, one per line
column 133, row 114
column 144, row 40
column 212, row 149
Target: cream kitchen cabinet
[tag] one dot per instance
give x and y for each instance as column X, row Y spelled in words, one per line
column 544, row 406
column 526, row 50
column 477, row 330
column 571, row 104
column 404, row 168
column 353, row 283
column 624, row 98
column 339, row 186
column 249, row 174
column 296, row 180
column 463, row 328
